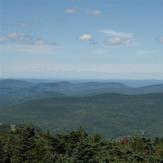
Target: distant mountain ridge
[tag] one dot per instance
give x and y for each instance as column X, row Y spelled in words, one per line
column 83, row 88
column 97, row 106
column 16, row 91
column 10, row 83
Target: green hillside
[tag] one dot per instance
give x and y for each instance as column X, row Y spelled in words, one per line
column 110, row 114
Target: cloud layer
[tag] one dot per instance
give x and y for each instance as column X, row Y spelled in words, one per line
column 114, row 38
column 14, row 37
column 22, row 38
column 24, row 44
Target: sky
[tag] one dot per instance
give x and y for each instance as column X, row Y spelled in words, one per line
column 81, row 39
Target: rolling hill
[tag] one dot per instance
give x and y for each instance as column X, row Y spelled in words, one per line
column 17, row 91
column 110, row 114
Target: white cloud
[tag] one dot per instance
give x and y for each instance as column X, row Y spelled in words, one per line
column 71, row 10
column 95, row 12
column 114, row 38
column 86, row 37
column 14, row 37
column 22, row 43
column 21, row 38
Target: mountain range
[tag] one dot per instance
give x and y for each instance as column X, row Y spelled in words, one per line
column 111, row 108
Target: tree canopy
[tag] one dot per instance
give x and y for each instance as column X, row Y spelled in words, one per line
column 28, row 144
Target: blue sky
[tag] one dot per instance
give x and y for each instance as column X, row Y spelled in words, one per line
column 91, row 39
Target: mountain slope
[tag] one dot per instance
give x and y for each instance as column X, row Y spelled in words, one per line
column 110, row 114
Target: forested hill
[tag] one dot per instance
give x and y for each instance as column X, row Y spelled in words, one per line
column 30, row 145
column 112, row 115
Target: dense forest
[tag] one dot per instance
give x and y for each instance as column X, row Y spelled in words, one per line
column 29, row 144
column 112, row 115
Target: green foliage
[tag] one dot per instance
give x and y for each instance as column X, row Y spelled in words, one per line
column 27, row 144
column 112, row 115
